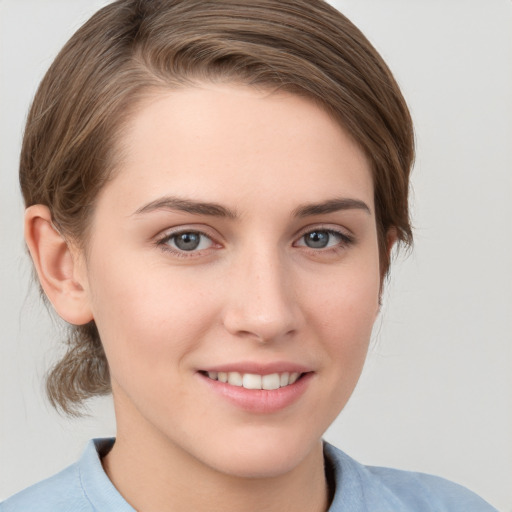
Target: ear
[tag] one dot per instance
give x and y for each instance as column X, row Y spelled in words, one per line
column 57, row 266
column 391, row 240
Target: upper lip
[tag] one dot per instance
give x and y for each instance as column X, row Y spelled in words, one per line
column 258, row 368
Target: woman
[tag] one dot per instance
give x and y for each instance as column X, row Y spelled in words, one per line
column 213, row 191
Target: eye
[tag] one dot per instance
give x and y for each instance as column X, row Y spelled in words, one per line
column 323, row 239
column 187, row 241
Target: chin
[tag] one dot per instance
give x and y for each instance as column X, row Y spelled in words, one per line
column 264, row 456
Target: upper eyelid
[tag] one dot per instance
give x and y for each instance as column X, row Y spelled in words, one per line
column 345, row 232
column 170, row 232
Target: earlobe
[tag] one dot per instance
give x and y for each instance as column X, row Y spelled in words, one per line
column 56, row 266
column 391, row 240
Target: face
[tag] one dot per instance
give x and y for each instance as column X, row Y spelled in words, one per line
column 233, row 274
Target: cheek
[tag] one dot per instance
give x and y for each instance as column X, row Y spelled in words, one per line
column 341, row 315
column 147, row 317
column 348, row 301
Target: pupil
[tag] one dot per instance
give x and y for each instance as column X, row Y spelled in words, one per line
column 187, row 241
column 317, row 239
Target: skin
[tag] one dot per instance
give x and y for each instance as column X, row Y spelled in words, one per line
column 253, row 291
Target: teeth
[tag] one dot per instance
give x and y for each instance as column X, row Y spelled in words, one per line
column 293, row 377
column 235, row 379
column 251, row 381
column 255, row 381
column 271, row 381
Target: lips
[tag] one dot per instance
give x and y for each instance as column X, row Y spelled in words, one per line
column 258, row 388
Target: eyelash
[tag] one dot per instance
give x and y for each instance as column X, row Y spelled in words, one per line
column 345, row 241
column 163, row 243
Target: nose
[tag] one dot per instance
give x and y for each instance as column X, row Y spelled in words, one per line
column 262, row 303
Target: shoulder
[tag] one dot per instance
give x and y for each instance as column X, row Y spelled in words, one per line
column 362, row 488
column 82, row 487
column 61, row 492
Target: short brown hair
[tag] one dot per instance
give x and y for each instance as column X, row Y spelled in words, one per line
column 133, row 46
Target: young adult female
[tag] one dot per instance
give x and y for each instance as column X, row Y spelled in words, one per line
column 213, row 190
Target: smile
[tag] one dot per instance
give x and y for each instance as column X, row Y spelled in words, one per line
column 253, row 388
column 268, row 382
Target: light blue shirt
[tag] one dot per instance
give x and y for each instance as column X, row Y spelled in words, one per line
column 85, row 487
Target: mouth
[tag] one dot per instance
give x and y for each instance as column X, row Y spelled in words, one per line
column 268, row 382
column 259, row 389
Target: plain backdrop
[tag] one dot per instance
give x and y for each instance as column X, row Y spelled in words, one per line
column 436, row 394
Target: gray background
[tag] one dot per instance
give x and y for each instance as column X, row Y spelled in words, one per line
column 436, row 395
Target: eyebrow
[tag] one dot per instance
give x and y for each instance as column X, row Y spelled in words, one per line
column 188, row 206
column 217, row 210
column 330, row 206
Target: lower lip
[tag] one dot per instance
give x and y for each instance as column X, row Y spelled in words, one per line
column 260, row 400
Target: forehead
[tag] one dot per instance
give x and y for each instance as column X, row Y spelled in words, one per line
column 237, row 144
